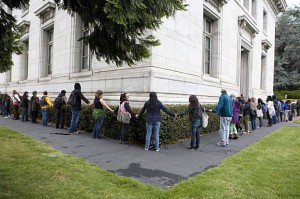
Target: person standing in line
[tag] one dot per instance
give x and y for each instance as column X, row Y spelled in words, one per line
column 34, row 106
column 233, row 134
column 76, row 108
column 259, row 109
column 25, row 105
column 16, row 104
column 271, row 111
column 153, row 119
column 99, row 104
column 6, row 104
column 61, row 109
column 46, row 108
column 246, row 116
column 125, row 108
column 224, row 110
column 195, row 111
column 253, row 113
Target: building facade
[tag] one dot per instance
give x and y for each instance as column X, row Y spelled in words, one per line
column 214, row 44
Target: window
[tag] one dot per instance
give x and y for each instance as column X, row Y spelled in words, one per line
column 246, row 4
column 50, row 52
column 85, row 53
column 263, row 73
column 207, row 44
column 265, row 20
column 254, row 12
column 26, row 48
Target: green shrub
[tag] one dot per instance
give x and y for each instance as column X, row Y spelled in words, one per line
column 172, row 129
column 294, row 94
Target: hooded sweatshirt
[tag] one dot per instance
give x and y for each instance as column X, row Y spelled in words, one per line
column 79, row 96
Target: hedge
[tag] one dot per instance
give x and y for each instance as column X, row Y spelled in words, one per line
column 293, row 94
column 172, row 129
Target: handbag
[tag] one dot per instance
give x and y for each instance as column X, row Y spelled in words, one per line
column 123, row 117
column 204, row 120
column 259, row 113
column 97, row 113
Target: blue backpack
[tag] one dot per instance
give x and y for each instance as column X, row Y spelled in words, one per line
column 264, row 108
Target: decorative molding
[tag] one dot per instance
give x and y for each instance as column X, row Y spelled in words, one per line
column 265, row 45
column 23, row 26
column 246, row 23
column 278, row 6
column 217, row 3
column 46, row 12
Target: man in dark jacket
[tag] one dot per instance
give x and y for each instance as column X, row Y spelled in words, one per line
column 224, row 109
column 76, row 108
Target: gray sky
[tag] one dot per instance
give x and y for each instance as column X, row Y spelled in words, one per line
column 292, row 2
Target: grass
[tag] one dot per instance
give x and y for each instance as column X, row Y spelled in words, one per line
column 297, row 121
column 269, row 168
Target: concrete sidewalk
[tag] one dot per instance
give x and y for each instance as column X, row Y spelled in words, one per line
column 172, row 164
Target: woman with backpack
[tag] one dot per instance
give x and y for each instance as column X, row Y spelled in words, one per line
column 195, row 118
column 60, row 103
column 126, row 110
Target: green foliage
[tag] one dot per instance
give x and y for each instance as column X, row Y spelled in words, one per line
column 172, row 129
column 287, row 57
column 293, row 94
column 9, row 35
column 119, row 30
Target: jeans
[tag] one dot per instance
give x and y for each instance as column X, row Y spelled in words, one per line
column 124, row 132
column 224, row 130
column 60, row 118
column 253, row 123
column 45, row 113
column 25, row 114
column 74, row 121
column 16, row 112
column 97, row 127
column 149, row 127
column 195, row 134
column 260, row 119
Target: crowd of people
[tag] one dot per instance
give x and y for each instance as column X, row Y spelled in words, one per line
column 238, row 115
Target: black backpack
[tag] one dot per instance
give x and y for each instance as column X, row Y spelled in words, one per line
column 58, row 103
column 72, row 98
column 43, row 101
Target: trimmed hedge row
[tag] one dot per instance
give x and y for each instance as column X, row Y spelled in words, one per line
column 172, row 129
column 294, row 94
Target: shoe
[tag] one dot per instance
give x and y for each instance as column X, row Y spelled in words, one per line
column 146, row 149
column 231, row 136
column 196, row 147
column 157, row 150
column 124, row 142
column 236, row 137
column 190, row 147
column 5, row 117
column 221, row 144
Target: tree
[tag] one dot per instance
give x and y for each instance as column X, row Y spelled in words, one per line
column 287, row 57
column 118, row 28
column 9, row 34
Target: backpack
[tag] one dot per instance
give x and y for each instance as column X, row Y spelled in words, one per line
column 58, row 103
column 275, row 104
column 43, row 101
column 264, row 108
column 72, row 99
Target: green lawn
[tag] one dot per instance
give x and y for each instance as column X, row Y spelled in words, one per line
column 297, row 121
column 268, row 169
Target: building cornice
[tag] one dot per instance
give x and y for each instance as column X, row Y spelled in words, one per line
column 45, row 8
column 278, row 6
column 246, row 23
column 217, row 3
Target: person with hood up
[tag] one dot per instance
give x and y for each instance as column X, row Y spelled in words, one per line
column 76, row 108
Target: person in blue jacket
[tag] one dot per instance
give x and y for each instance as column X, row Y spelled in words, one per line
column 224, row 110
column 153, row 119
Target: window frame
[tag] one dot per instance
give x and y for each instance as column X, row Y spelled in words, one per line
column 50, row 34
column 207, row 34
column 85, row 55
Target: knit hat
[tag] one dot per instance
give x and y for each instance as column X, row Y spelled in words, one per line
column 223, row 91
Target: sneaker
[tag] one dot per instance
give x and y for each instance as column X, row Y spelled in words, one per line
column 157, row 150
column 231, row 136
column 146, row 149
column 236, row 137
column 221, row 144
column 5, row 117
column 190, row 147
column 196, row 147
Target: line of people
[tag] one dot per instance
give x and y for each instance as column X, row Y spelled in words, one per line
column 232, row 111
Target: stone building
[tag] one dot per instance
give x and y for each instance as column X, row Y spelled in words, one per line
column 214, row 44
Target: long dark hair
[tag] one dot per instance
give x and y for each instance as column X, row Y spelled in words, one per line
column 152, row 100
column 122, row 97
column 194, row 103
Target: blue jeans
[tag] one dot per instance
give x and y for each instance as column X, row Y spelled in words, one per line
column 25, row 114
column 149, row 127
column 74, row 121
column 45, row 113
column 253, row 123
column 97, row 127
column 224, row 130
column 195, row 134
